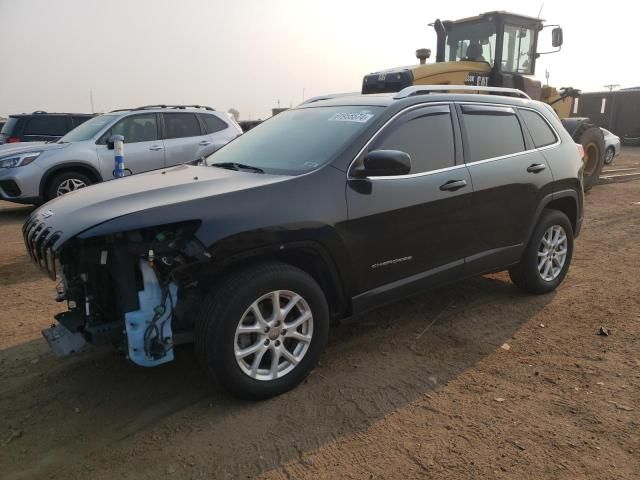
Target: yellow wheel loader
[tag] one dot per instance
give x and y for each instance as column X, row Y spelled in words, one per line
column 496, row 49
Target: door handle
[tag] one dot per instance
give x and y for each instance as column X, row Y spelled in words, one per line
column 536, row 168
column 453, row 185
column 156, row 147
column 205, row 142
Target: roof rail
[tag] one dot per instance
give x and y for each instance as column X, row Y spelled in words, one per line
column 178, row 107
column 425, row 89
column 328, row 96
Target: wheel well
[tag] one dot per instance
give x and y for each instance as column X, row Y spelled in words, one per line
column 85, row 170
column 308, row 259
column 566, row 205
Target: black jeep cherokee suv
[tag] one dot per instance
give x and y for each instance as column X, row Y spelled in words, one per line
column 325, row 211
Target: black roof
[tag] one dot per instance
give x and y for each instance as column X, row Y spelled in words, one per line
column 42, row 112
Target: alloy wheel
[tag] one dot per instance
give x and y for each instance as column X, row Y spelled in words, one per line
column 552, row 253
column 69, row 185
column 273, row 335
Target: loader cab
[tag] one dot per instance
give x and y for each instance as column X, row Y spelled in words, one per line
column 506, row 42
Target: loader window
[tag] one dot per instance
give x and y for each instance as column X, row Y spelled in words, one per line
column 517, row 50
column 475, row 42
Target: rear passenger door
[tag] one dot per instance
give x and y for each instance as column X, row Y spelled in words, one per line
column 510, row 178
column 406, row 232
column 183, row 137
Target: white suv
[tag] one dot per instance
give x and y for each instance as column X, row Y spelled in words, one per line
column 155, row 136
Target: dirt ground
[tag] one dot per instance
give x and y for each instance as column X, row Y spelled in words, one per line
column 473, row 381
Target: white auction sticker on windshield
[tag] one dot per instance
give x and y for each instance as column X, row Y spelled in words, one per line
column 359, row 117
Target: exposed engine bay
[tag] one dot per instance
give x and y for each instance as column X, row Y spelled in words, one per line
column 132, row 289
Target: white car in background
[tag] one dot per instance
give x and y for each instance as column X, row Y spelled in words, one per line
column 155, row 136
column 611, row 146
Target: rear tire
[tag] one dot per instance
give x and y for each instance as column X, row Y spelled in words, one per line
column 66, row 182
column 228, row 326
column 543, row 265
column 592, row 140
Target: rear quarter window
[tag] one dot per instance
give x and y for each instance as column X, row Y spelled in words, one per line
column 491, row 132
column 212, row 124
column 49, row 126
column 540, row 131
column 79, row 120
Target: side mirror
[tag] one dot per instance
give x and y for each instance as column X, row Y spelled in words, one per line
column 383, row 163
column 111, row 140
column 556, row 37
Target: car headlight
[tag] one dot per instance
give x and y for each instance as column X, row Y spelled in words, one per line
column 18, row 160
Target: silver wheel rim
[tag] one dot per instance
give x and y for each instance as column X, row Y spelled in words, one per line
column 273, row 335
column 69, row 185
column 609, row 156
column 552, row 253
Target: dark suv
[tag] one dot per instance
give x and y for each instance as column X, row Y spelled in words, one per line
column 325, row 211
column 40, row 126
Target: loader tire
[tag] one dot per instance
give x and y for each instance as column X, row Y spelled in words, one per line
column 592, row 140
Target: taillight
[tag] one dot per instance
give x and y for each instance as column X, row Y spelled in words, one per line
column 13, row 140
column 580, row 150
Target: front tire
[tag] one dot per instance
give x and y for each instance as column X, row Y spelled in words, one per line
column 547, row 257
column 261, row 330
column 609, row 155
column 66, row 182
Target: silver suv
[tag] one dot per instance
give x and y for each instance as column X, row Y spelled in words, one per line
column 156, row 136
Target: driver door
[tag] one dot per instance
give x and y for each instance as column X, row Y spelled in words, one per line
column 408, row 231
column 143, row 147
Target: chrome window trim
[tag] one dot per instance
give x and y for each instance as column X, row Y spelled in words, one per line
column 454, row 167
column 420, row 174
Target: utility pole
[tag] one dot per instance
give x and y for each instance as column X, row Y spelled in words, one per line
column 611, row 86
column 91, row 98
column 546, row 75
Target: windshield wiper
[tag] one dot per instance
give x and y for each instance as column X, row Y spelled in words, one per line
column 237, row 166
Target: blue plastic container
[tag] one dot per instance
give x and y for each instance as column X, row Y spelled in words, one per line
column 137, row 321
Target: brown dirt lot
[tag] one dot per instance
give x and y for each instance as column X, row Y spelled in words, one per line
column 392, row 398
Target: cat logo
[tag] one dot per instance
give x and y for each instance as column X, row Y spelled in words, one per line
column 477, row 79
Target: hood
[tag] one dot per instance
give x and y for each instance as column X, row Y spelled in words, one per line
column 8, row 149
column 75, row 212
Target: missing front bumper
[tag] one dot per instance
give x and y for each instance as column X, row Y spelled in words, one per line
column 62, row 341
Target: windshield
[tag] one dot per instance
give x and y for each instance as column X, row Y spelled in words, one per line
column 475, row 42
column 297, row 141
column 88, row 129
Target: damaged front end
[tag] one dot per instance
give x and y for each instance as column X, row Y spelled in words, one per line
column 132, row 289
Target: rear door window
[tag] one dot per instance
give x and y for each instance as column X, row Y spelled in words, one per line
column 181, row 125
column 491, row 132
column 79, row 120
column 212, row 124
column 426, row 135
column 47, row 126
column 539, row 129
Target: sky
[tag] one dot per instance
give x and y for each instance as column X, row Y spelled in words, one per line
column 253, row 55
